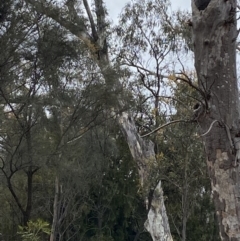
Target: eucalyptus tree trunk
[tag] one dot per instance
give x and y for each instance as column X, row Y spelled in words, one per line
column 214, row 39
column 142, row 150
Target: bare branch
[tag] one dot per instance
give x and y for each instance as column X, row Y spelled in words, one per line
column 101, row 28
column 131, row 64
column 189, row 81
column 161, row 127
column 100, row 12
column 90, row 17
column 209, row 128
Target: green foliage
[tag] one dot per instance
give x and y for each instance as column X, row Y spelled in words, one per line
column 34, row 230
column 109, row 207
column 57, row 120
column 202, row 224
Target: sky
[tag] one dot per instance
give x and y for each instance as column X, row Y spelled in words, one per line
column 115, row 6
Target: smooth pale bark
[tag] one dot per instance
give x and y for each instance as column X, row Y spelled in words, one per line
column 143, row 153
column 214, row 39
column 142, row 150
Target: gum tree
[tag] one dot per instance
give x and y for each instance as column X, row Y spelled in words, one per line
column 214, row 30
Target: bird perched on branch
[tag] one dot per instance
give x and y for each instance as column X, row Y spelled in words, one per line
column 201, row 4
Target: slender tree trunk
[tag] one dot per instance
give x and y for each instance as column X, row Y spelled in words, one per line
column 29, row 173
column 214, row 39
column 27, row 213
column 55, row 211
column 185, row 199
column 184, row 211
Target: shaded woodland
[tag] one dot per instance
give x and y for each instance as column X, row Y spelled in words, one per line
column 95, row 116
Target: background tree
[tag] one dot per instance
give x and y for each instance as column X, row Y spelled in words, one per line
column 95, row 39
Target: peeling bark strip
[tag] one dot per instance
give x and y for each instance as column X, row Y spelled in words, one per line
column 214, row 35
column 157, row 215
column 141, row 150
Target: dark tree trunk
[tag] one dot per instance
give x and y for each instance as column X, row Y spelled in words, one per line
column 55, row 211
column 27, row 212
